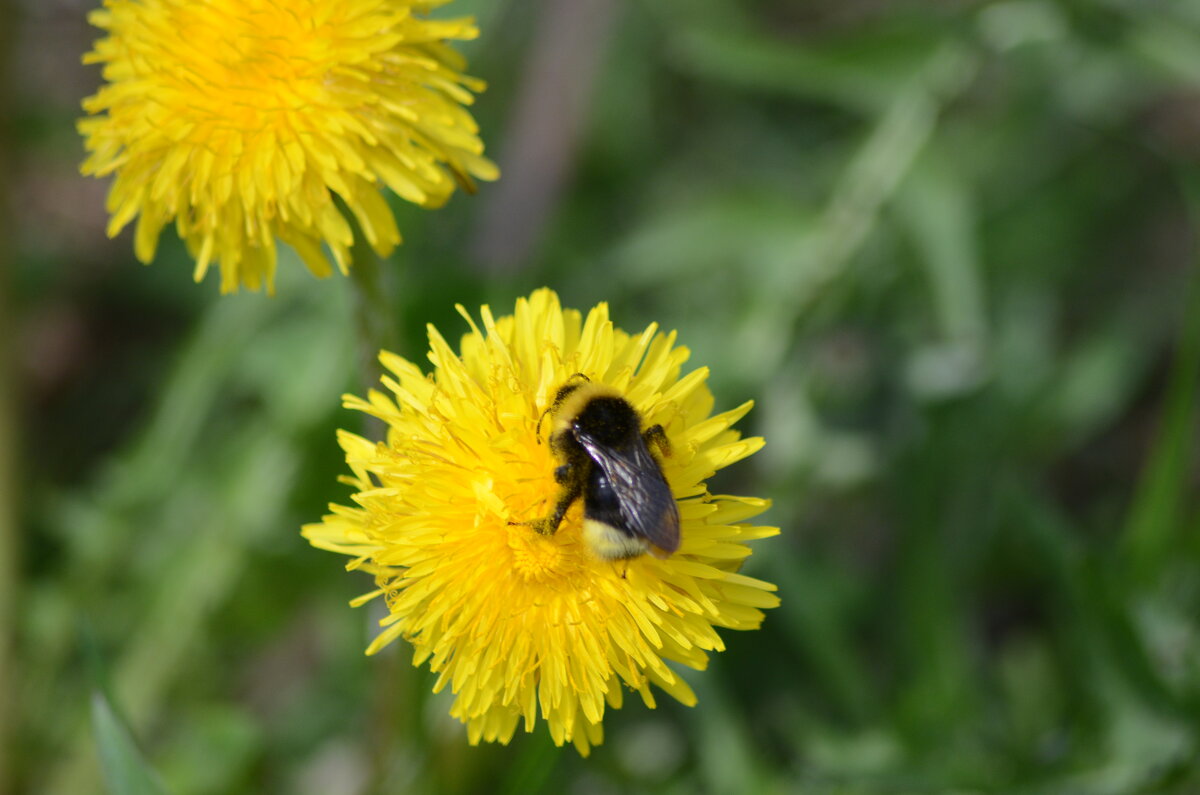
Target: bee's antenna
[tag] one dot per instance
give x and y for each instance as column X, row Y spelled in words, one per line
column 542, row 419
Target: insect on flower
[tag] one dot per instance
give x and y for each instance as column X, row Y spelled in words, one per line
column 503, row 439
column 628, row 508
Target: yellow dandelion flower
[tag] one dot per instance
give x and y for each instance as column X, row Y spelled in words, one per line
column 246, row 121
column 520, row 624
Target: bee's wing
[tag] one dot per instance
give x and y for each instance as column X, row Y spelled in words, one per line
column 645, row 499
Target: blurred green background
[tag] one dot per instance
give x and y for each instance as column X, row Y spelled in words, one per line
column 947, row 246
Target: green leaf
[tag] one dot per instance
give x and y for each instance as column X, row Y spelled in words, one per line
column 125, row 772
column 937, row 205
column 861, row 74
column 1157, row 514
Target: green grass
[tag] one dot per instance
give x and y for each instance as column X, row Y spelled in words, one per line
column 950, row 251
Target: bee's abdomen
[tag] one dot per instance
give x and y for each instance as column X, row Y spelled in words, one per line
column 601, row 502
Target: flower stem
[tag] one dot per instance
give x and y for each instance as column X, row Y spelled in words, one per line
column 375, row 317
column 9, row 550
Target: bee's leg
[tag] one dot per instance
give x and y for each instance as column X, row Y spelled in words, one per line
column 656, row 435
column 572, row 489
column 571, row 492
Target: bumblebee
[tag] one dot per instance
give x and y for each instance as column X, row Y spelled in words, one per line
column 628, row 508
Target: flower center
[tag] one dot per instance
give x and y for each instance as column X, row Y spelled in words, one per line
column 538, row 558
column 244, row 62
column 255, row 58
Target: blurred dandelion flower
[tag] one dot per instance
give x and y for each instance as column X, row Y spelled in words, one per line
column 517, row 623
column 240, row 120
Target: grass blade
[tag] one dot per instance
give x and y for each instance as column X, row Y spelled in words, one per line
column 125, row 772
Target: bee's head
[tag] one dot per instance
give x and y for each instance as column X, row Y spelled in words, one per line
column 560, row 397
column 587, row 405
column 564, row 391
